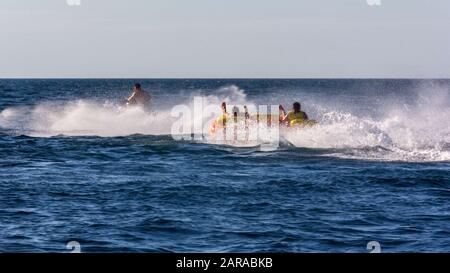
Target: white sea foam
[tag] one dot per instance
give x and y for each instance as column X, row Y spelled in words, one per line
column 418, row 132
column 413, row 132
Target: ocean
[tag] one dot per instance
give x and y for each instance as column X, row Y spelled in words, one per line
column 76, row 165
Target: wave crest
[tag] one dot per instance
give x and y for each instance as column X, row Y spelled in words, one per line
column 408, row 132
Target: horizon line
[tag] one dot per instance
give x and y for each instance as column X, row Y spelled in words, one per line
column 219, row 78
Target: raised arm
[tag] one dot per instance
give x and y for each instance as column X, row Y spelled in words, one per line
column 286, row 120
column 132, row 97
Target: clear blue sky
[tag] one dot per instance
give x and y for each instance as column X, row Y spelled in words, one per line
column 225, row 38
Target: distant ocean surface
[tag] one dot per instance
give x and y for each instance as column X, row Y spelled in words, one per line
column 75, row 165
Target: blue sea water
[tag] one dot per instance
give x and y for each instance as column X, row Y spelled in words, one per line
column 75, row 165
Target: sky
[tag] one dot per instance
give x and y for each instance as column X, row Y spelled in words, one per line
column 224, row 39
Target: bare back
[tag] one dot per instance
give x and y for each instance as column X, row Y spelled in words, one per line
column 141, row 98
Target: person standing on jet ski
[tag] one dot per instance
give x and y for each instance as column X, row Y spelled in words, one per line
column 139, row 97
column 296, row 116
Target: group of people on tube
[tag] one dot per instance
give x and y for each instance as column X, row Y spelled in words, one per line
column 293, row 118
